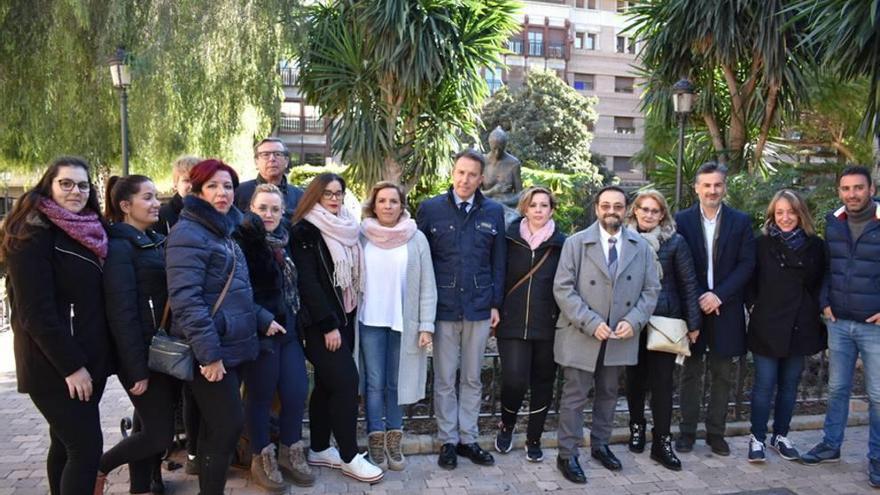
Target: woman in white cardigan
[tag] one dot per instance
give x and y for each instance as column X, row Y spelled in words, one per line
column 395, row 318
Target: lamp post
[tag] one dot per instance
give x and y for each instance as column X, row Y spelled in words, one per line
column 682, row 102
column 121, row 81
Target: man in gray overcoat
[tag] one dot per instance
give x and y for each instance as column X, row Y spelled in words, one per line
column 606, row 286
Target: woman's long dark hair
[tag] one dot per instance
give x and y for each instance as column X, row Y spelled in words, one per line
column 16, row 230
column 313, row 193
column 121, row 189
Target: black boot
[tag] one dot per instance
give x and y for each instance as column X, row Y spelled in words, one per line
column 637, row 436
column 661, row 451
column 157, row 486
column 212, row 474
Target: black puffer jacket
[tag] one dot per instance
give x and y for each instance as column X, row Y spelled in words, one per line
column 679, row 293
column 266, row 274
column 169, row 213
column 135, row 291
column 530, row 311
column 322, row 309
column 55, row 288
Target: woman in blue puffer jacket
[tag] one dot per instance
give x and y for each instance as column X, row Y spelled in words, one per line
column 200, row 256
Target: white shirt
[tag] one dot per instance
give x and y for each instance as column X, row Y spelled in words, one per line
column 709, row 227
column 603, row 239
column 459, row 201
column 384, row 287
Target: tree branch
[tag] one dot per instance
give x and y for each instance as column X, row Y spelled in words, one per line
column 717, row 138
column 769, row 112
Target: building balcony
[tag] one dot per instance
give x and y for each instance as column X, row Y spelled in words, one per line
column 289, row 76
column 292, row 124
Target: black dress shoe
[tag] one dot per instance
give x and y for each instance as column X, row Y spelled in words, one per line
column 685, row 442
column 448, row 459
column 604, row 455
column 718, row 445
column 571, row 469
column 476, row 454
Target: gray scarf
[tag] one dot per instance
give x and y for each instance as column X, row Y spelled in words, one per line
column 277, row 241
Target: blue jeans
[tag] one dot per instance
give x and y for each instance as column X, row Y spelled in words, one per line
column 380, row 348
column 846, row 341
column 779, row 377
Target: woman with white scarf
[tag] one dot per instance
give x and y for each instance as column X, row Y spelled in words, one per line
column 650, row 217
column 395, row 318
column 326, row 250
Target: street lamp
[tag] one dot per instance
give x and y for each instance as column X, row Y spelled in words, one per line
column 121, row 81
column 683, row 103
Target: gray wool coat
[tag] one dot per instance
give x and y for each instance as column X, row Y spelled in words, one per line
column 419, row 312
column 587, row 296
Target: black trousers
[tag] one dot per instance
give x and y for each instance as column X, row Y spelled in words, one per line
column 333, row 406
column 526, row 365
column 192, row 417
column 653, row 373
column 155, row 413
column 75, row 439
column 222, row 423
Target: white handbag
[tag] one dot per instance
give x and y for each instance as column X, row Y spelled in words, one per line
column 668, row 335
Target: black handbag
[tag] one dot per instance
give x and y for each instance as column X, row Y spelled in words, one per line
column 171, row 355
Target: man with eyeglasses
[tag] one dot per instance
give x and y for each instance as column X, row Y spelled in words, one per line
column 723, row 247
column 272, row 160
column 606, row 287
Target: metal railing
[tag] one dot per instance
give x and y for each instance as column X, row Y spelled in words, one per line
column 289, row 76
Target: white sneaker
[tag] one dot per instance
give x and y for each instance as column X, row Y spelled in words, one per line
column 362, row 470
column 328, row 457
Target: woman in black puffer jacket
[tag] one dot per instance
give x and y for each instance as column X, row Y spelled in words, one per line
column 678, row 299
column 200, row 256
column 135, row 292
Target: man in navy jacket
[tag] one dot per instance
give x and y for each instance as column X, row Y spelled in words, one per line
column 850, row 300
column 723, row 246
column 273, row 162
column 466, row 233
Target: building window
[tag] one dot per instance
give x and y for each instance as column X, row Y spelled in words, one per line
column 622, row 6
column 579, row 4
column 291, row 117
column 536, row 43
column 314, row 124
column 626, row 45
column 515, row 46
column 591, row 4
column 590, row 42
column 624, row 84
column 584, row 82
column 579, row 41
column 623, row 164
column 493, row 79
column 624, row 125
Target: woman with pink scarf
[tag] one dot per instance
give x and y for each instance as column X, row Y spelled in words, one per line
column 528, row 319
column 395, row 318
column 325, row 248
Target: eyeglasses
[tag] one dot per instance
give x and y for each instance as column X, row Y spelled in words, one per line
column 67, row 185
column 333, row 194
column 609, row 207
column 649, row 211
column 265, row 155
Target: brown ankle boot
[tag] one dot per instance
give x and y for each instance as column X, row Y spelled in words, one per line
column 376, row 445
column 292, row 461
column 264, row 470
column 396, row 461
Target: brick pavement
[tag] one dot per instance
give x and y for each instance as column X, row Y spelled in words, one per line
column 24, row 441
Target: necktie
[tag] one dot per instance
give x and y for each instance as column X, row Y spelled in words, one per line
column 612, row 256
column 462, row 207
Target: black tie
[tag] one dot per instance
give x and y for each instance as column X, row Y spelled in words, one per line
column 612, row 256
column 462, row 207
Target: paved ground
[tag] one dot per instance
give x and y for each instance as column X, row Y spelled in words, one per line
column 24, row 442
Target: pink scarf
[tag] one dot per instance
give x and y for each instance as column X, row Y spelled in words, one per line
column 538, row 238
column 340, row 233
column 84, row 227
column 389, row 237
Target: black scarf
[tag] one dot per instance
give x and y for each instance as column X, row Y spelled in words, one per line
column 277, row 241
column 794, row 239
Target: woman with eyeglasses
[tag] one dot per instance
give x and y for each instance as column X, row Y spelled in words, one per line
column 678, row 298
column 135, row 291
column 327, row 251
column 213, row 310
column 280, row 368
column 53, row 245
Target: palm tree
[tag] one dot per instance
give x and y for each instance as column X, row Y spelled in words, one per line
column 400, row 79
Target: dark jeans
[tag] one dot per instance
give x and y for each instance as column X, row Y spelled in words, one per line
column 780, row 377
column 526, row 364
column 282, row 368
column 75, row 440
column 192, row 417
column 691, row 397
column 333, row 407
column 222, row 422
column 653, row 373
column 155, row 410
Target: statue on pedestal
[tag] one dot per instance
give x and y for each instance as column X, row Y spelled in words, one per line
column 502, row 179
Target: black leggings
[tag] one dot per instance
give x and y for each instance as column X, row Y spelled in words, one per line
column 155, row 410
column 75, row 440
column 526, row 364
column 222, row 423
column 654, row 373
column 191, row 419
column 333, row 406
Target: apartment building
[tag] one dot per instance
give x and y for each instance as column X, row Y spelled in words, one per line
column 582, row 41
column 300, row 125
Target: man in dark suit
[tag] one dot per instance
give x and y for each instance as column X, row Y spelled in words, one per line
column 722, row 243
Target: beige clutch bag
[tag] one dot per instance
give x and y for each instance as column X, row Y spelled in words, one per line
column 668, row 335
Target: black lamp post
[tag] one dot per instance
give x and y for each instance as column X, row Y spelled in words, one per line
column 682, row 102
column 121, row 81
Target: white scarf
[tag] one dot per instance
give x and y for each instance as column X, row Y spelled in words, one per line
column 340, row 233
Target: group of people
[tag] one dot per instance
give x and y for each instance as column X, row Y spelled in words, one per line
column 258, row 277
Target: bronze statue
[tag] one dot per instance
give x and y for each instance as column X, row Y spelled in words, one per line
column 502, row 180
